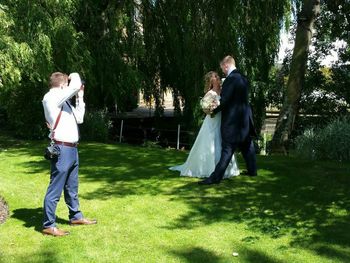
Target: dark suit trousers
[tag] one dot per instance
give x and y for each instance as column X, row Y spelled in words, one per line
column 246, row 148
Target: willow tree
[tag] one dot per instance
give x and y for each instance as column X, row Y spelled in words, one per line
column 113, row 38
column 31, row 49
column 187, row 39
column 305, row 23
column 260, row 24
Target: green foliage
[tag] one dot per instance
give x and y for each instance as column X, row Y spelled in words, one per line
column 329, row 143
column 96, row 126
column 122, row 47
column 188, row 39
column 150, row 144
column 26, row 118
column 326, row 89
column 259, row 103
column 31, row 49
column 113, row 38
column 10, row 53
column 64, row 36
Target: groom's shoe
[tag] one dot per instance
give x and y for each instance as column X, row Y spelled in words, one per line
column 246, row 173
column 208, row 181
column 83, row 221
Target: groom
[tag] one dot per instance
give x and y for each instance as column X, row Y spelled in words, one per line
column 236, row 122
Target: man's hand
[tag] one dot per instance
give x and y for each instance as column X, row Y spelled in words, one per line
column 74, row 75
column 74, row 80
column 81, row 91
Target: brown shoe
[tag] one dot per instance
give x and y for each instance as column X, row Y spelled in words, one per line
column 83, row 221
column 54, row 231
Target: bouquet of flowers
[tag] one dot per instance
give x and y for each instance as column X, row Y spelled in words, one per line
column 210, row 102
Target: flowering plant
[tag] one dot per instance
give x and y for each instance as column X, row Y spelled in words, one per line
column 210, row 101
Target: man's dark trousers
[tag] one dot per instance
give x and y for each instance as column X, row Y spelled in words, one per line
column 64, row 177
column 248, row 151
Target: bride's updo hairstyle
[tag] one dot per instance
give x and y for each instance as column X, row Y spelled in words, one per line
column 207, row 82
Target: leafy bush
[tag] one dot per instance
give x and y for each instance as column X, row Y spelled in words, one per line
column 150, row 144
column 329, row 143
column 96, row 126
column 24, row 111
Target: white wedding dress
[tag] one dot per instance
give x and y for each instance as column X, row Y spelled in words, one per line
column 206, row 151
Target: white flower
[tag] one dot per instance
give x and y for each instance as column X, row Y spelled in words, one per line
column 210, row 101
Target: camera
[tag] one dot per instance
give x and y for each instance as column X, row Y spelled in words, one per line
column 82, row 82
column 51, row 152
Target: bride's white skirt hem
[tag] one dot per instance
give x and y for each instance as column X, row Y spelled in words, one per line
column 196, row 175
column 206, row 151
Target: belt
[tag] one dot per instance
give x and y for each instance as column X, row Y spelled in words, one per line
column 70, row 144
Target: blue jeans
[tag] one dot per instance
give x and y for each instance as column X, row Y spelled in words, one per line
column 64, row 177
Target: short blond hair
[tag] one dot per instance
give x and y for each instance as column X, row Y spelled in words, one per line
column 57, row 79
column 228, row 60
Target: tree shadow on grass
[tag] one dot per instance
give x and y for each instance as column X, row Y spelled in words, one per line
column 33, row 218
column 47, row 255
column 25, row 150
column 126, row 170
column 308, row 201
column 195, row 254
column 342, row 255
column 250, row 255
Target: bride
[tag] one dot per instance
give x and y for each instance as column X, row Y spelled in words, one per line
column 206, row 150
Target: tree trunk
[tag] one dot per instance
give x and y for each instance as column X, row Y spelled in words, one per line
column 290, row 108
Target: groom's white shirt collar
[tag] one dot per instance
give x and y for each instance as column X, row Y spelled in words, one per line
column 232, row 68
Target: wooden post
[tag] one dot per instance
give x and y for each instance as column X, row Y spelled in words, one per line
column 121, row 131
column 178, row 137
column 263, row 152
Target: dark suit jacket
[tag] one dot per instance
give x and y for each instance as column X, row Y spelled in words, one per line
column 236, row 114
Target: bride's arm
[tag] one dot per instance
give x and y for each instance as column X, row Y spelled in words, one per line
column 226, row 95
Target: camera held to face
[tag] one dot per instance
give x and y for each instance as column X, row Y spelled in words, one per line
column 82, row 82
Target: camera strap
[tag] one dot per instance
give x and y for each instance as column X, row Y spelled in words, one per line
column 56, row 123
column 74, row 118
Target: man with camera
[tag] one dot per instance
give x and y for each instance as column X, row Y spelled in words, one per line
column 63, row 119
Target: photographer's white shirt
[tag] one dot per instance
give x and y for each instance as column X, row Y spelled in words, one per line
column 55, row 99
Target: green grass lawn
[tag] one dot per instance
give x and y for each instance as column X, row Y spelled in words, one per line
column 294, row 211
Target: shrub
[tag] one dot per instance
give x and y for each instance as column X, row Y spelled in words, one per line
column 96, row 126
column 24, row 111
column 150, row 144
column 329, row 143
